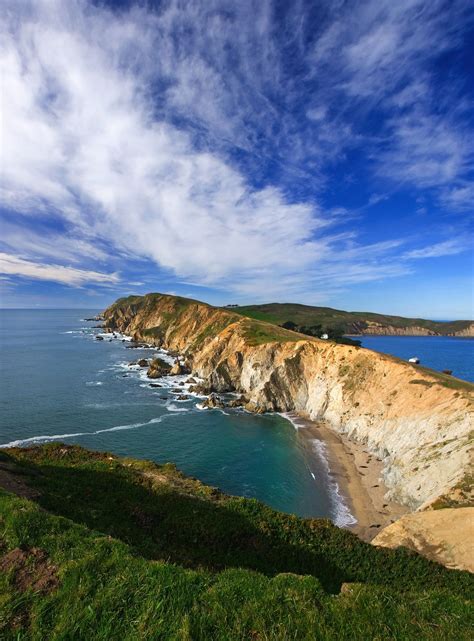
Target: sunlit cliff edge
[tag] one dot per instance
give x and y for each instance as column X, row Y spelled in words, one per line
column 418, row 421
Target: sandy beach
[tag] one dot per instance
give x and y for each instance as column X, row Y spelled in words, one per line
column 358, row 474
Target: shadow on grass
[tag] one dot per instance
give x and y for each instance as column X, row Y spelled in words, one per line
column 180, row 521
column 168, row 525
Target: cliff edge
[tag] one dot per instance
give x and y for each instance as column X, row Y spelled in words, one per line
column 418, row 421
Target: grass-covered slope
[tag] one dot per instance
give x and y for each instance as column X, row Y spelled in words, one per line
column 109, row 548
column 350, row 322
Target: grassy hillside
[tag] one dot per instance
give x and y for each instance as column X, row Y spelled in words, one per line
column 351, row 322
column 105, row 548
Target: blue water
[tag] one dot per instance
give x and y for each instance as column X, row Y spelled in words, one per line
column 437, row 352
column 58, row 383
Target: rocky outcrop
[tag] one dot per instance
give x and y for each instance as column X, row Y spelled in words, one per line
column 178, row 369
column 213, row 402
column 445, row 536
column 158, row 368
column 418, row 421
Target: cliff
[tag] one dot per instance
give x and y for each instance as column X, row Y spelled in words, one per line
column 418, row 421
column 445, row 536
column 355, row 323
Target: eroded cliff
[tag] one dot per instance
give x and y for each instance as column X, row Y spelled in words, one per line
column 418, row 421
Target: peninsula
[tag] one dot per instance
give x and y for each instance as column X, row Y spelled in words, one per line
column 416, row 421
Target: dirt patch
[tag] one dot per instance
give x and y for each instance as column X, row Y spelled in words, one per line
column 31, row 569
column 12, row 481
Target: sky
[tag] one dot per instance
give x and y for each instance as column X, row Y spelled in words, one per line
column 233, row 151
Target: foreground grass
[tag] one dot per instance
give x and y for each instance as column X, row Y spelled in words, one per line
column 142, row 552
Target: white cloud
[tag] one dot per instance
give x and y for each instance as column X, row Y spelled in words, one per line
column 12, row 265
column 445, row 248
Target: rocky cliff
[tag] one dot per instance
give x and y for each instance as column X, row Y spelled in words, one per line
column 418, row 421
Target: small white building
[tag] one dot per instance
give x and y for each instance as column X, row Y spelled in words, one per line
column 414, row 359
column 324, row 337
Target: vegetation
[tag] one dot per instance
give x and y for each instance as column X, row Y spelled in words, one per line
column 348, row 322
column 119, row 549
column 335, row 333
column 258, row 333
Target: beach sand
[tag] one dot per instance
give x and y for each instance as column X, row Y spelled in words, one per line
column 358, row 474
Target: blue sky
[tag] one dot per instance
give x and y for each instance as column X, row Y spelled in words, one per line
column 239, row 152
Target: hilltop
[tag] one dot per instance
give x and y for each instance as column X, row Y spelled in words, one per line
column 95, row 547
column 354, row 323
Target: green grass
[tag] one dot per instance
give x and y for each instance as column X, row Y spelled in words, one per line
column 144, row 553
column 351, row 322
column 259, row 333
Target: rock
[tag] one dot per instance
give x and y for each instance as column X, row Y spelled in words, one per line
column 213, row 401
column 182, row 397
column 158, row 368
column 254, row 408
column 238, row 402
column 155, row 385
column 443, row 535
column 201, row 388
column 178, row 369
column 143, row 362
column 99, row 338
column 191, row 381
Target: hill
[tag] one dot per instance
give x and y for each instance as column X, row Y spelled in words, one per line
column 353, row 322
column 95, row 547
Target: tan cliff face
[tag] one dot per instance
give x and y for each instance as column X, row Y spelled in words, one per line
column 420, row 423
column 372, row 328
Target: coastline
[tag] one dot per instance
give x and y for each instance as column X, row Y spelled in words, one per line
column 357, row 475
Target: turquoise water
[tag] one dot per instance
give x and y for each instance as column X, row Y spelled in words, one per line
column 58, row 383
column 437, row 352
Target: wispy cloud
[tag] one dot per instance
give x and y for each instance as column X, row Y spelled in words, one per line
column 12, row 265
column 446, row 248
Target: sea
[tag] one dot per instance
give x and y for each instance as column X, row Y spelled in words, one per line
column 58, row 383
column 437, row 352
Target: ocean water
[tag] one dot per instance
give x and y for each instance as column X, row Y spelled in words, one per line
column 437, row 352
column 57, row 383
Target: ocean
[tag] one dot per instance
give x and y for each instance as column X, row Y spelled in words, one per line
column 57, row 383
column 437, row 352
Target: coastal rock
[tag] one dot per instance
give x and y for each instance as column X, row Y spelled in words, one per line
column 142, row 362
column 201, row 388
column 445, row 536
column 238, row 402
column 213, row 402
column 253, row 407
column 191, row 381
column 178, row 369
column 158, row 368
column 182, row 397
column 99, row 338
